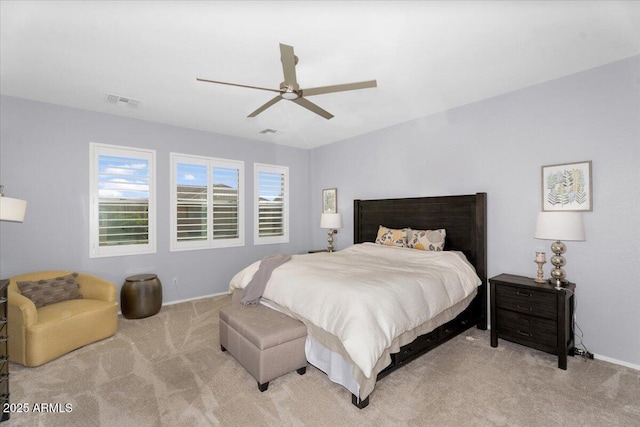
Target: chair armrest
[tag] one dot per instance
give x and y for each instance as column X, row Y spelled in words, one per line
column 92, row 287
column 21, row 309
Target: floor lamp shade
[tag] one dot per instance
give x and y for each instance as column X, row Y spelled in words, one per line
column 12, row 209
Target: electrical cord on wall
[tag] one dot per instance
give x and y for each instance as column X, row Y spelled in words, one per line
column 583, row 350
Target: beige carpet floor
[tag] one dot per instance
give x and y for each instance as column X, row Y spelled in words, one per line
column 168, row 370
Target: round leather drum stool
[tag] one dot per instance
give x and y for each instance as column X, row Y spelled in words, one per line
column 141, row 296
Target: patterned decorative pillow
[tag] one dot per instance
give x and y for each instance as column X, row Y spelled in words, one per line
column 428, row 240
column 50, row 291
column 391, row 237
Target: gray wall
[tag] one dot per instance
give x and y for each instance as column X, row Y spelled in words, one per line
column 498, row 146
column 44, row 155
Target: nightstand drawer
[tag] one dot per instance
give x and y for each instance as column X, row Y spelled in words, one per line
column 528, row 301
column 522, row 327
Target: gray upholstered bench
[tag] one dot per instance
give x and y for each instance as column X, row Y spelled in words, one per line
column 266, row 342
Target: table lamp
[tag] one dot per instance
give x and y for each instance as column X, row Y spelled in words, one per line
column 559, row 226
column 332, row 221
column 11, row 209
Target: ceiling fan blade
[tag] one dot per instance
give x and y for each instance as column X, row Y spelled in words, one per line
column 339, row 88
column 288, row 59
column 239, row 85
column 265, row 106
column 312, row 107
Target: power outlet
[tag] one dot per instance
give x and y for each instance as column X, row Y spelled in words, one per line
column 582, row 353
column 174, row 282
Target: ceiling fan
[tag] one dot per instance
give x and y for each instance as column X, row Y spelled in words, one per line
column 290, row 90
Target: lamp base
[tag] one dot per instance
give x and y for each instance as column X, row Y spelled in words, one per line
column 559, row 283
column 330, row 234
column 558, row 275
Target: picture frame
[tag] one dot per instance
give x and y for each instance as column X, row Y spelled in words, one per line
column 567, row 187
column 330, row 200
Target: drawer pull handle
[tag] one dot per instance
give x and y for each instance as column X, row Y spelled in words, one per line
column 3, row 300
column 525, row 308
column 526, row 334
column 524, row 294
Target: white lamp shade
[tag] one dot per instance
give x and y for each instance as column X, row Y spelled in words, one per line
column 12, row 209
column 560, row 226
column 331, row 220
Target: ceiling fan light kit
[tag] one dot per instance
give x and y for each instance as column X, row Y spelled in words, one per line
column 290, row 90
column 290, row 94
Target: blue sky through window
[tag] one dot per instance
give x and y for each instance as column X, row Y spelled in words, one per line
column 123, row 177
column 270, row 184
column 196, row 175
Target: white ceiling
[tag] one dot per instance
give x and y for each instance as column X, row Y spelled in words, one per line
column 427, row 57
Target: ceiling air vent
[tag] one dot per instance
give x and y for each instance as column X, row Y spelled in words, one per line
column 122, row 100
column 267, row 130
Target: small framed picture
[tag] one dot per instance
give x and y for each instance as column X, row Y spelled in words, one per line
column 330, row 200
column 567, row 187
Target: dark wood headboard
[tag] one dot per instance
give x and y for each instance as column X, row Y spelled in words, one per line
column 463, row 217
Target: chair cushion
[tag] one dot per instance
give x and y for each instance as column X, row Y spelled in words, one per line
column 262, row 326
column 66, row 326
column 50, row 291
column 65, row 309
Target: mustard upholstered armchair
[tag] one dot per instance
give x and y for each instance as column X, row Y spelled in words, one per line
column 39, row 335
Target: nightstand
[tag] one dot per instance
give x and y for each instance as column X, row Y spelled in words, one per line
column 536, row 315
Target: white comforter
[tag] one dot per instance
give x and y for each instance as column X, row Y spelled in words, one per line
column 368, row 294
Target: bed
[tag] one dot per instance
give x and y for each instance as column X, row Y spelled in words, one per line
column 357, row 361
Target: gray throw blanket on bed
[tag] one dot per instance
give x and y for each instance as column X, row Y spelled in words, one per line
column 254, row 289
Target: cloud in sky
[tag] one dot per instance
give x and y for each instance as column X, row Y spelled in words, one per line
column 126, row 169
column 122, row 187
column 110, row 193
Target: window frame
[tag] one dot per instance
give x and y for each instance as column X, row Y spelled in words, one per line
column 210, row 242
column 97, row 150
column 283, row 170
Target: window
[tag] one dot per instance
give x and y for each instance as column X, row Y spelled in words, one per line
column 122, row 201
column 206, row 202
column 272, row 204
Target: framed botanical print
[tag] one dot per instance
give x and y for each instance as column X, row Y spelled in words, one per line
column 567, row 187
column 330, row 200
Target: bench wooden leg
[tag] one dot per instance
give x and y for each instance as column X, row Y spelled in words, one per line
column 222, row 348
column 302, row 371
column 263, row 387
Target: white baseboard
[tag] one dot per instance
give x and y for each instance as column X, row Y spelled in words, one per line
column 616, row 361
column 195, row 298
column 189, row 299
